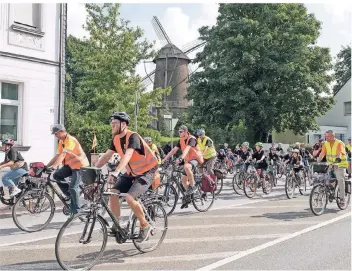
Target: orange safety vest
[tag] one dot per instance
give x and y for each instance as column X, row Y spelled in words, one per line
column 194, row 153
column 138, row 164
column 77, row 158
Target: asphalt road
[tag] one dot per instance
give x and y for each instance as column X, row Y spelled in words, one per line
column 264, row 233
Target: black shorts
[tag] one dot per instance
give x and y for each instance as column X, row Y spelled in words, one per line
column 135, row 186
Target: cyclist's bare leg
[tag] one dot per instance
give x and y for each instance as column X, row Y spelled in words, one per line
column 188, row 170
column 184, row 180
column 137, row 209
column 115, row 204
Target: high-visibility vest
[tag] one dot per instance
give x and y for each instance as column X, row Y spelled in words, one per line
column 348, row 146
column 75, row 158
column 211, row 152
column 156, row 152
column 138, row 164
column 194, row 152
column 331, row 153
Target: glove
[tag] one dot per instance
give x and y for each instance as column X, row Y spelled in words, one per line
column 338, row 160
column 115, row 174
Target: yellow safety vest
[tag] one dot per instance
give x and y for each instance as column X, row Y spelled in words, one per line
column 348, row 146
column 331, row 154
column 156, row 151
column 211, row 152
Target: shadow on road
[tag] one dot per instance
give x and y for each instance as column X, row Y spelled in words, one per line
column 17, row 231
column 290, row 216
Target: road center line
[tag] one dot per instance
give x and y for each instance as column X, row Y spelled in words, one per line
column 270, row 243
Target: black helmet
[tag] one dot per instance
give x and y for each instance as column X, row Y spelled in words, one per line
column 121, row 116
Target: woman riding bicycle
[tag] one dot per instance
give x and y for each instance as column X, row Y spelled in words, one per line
column 259, row 157
column 15, row 161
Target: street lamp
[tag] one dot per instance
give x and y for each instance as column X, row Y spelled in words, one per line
column 171, row 124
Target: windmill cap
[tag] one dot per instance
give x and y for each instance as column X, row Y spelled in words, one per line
column 171, row 51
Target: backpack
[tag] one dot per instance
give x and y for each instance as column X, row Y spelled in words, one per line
column 161, row 152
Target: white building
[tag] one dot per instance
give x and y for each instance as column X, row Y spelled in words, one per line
column 338, row 118
column 32, row 46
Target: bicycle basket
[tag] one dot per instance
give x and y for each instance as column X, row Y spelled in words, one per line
column 90, row 175
column 36, row 169
column 319, row 168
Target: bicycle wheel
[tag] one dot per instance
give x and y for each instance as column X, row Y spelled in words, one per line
column 279, row 172
column 202, row 201
column 347, row 200
column 168, row 196
column 318, row 199
column 219, row 182
column 155, row 211
column 303, row 189
column 269, row 183
column 32, row 204
column 78, row 251
column 237, row 184
column 289, row 187
column 250, row 186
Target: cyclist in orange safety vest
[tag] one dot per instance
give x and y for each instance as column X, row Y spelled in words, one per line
column 71, row 155
column 140, row 163
column 191, row 157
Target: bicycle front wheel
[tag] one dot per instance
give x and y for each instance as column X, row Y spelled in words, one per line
column 81, row 242
column 33, row 211
column 157, row 219
column 318, row 199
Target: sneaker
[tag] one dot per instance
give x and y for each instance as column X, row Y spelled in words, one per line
column 144, row 233
column 15, row 192
column 112, row 230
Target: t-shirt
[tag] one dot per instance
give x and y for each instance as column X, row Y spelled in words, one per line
column 192, row 142
column 296, row 161
column 273, row 156
column 244, row 155
column 287, row 157
column 15, row 156
column 258, row 155
column 66, row 145
column 134, row 142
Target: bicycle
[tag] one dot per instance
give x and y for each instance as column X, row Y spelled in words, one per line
column 327, row 190
column 239, row 177
column 35, row 196
column 92, row 178
column 173, row 187
column 293, row 181
column 254, row 181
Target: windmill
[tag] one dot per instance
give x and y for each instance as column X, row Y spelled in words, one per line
column 172, row 69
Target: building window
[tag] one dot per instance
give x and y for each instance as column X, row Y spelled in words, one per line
column 340, row 136
column 28, row 16
column 347, row 108
column 10, row 107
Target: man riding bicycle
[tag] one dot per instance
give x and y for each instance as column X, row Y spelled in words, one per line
column 139, row 161
column 70, row 153
column 335, row 152
column 15, row 161
column 191, row 157
column 206, row 146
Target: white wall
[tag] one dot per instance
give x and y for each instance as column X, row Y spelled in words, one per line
column 46, row 47
column 335, row 116
column 39, row 92
column 39, row 83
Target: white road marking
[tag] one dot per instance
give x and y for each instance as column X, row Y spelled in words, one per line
column 175, row 258
column 270, row 243
column 236, row 225
column 166, row 241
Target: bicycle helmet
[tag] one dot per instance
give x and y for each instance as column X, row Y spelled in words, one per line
column 221, row 151
column 8, row 141
column 57, row 128
column 148, row 139
column 121, row 116
column 200, row 132
column 295, row 151
column 259, row 144
column 228, row 149
column 245, row 144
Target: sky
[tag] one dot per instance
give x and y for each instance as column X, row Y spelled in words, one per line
column 182, row 21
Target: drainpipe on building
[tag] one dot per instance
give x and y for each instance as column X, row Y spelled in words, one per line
column 62, row 54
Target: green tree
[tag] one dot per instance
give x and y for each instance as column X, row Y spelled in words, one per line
column 261, row 66
column 101, row 77
column 342, row 67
